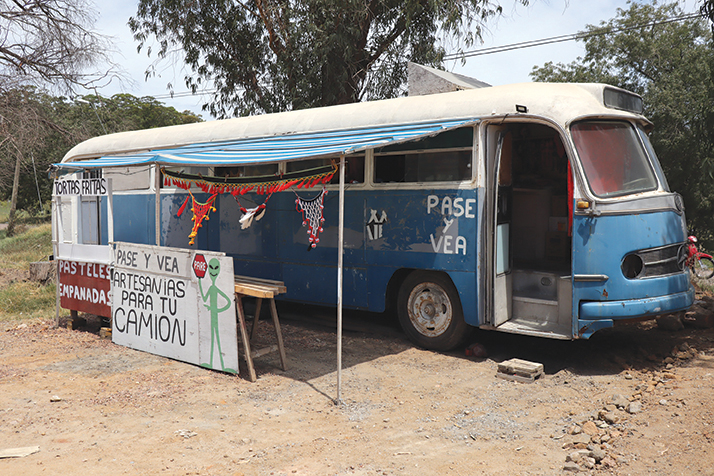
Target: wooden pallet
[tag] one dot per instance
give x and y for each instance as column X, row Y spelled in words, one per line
column 519, row 370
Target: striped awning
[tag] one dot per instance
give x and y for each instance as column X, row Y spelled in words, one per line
column 273, row 149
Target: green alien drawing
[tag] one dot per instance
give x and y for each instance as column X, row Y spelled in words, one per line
column 211, row 295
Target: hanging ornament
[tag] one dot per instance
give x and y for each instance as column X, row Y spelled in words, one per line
column 312, row 211
column 249, row 214
column 200, row 211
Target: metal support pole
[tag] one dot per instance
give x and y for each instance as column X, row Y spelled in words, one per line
column 340, row 252
column 157, row 209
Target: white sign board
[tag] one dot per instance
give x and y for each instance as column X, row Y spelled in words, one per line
column 95, row 187
column 177, row 303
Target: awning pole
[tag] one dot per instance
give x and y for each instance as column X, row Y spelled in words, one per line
column 340, row 250
column 157, row 209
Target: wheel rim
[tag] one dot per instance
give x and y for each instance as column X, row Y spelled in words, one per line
column 700, row 268
column 430, row 310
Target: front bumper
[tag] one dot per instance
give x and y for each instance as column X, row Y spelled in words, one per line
column 596, row 315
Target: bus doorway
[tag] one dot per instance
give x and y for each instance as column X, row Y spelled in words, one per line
column 528, row 231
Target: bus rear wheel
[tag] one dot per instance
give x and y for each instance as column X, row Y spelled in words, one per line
column 430, row 312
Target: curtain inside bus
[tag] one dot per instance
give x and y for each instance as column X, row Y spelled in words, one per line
column 613, row 158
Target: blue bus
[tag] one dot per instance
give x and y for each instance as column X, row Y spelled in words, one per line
column 535, row 208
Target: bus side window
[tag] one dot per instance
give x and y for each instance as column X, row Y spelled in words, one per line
column 354, row 167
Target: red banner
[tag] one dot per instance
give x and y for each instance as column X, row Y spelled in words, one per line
column 85, row 287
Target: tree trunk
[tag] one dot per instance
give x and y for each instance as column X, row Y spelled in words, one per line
column 13, row 201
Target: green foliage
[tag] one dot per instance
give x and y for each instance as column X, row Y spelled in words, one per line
column 34, row 244
column 672, row 66
column 4, row 210
column 26, row 300
column 41, row 128
column 276, row 55
column 22, row 299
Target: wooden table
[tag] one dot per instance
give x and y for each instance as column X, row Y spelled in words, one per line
column 260, row 289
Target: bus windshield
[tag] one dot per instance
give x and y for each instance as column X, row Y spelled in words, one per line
column 614, row 160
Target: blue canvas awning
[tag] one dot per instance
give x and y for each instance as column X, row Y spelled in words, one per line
column 273, row 149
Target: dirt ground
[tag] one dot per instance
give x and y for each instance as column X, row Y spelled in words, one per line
column 95, row 408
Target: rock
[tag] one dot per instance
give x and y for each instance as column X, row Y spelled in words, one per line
column 574, row 430
column 597, row 453
column 609, row 417
column 577, row 456
column 670, row 322
column 55, row 398
column 699, row 319
column 634, row 407
column 589, row 463
column 570, row 466
column 620, row 401
column 663, row 402
column 607, row 462
column 589, row 428
column 610, row 407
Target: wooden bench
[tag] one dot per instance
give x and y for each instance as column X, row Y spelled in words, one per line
column 260, row 289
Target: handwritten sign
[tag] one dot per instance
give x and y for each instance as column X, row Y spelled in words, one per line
column 160, row 305
column 95, row 187
column 85, row 287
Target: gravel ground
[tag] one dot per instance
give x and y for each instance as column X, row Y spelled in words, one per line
column 634, row 400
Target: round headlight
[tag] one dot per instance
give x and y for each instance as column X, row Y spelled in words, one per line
column 632, row 266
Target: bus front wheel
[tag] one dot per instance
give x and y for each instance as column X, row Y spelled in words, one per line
column 430, row 311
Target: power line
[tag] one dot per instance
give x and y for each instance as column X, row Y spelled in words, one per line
column 563, row 38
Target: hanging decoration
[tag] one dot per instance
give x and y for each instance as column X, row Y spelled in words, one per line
column 251, row 213
column 262, row 185
column 200, row 211
column 312, row 211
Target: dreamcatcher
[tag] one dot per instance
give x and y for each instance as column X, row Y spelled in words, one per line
column 312, row 215
column 200, row 211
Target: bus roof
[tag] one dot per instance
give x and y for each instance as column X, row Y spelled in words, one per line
column 559, row 102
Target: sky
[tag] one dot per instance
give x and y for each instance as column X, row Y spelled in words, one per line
column 542, row 19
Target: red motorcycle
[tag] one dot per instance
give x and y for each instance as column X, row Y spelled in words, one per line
column 701, row 264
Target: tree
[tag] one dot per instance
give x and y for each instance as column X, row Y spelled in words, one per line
column 47, row 43
column 274, row 55
column 671, row 65
column 40, row 128
column 707, row 10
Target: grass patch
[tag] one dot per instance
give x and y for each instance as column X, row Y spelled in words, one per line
column 27, row 300
column 33, row 244
column 4, row 210
column 22, row 299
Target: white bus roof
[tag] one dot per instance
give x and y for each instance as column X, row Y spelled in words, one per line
column 559, row 102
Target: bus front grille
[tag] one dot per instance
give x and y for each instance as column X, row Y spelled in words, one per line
column 663, row 260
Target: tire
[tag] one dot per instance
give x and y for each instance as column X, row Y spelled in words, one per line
column 704, row 268
column 430, row 312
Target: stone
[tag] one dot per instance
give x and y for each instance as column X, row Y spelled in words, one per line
column 589, row 428
column 699, row 319
column 598, row 454
column 663, row 402
column 609, row 417
column 634, row 407
column 607, row 462
column 620, row 401
column 572, row 467
column 577, row 456
column 610, row 407
column 589, row 463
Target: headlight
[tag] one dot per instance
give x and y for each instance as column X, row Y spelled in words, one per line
column 632, row 266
